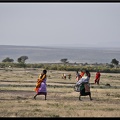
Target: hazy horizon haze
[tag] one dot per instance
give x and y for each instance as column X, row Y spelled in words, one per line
column 60, row 24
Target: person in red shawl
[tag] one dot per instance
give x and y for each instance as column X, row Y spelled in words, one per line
column 97, row 77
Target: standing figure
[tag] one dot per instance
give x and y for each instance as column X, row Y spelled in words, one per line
column 63, row 76
column 69, row 76
column 78, row 75
column 97, row 77
column 41, row 84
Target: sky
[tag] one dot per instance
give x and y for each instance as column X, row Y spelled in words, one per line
column 81, row 24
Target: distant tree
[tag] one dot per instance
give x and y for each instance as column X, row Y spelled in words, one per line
column 8, row 60
column 19, row 60
column 64, row 60
column 22, row 59
column 86, row 63
column 115, row 62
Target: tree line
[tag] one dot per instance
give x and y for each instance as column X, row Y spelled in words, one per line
column 22, row 59
column 63, row 65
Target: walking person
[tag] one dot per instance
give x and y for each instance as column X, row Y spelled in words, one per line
column 97, row 77
column 41, row 87
column 84, row 85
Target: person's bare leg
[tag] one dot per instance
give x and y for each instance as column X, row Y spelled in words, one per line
column 98, row 82
column 80, row 97
column 90, row 97
column 95, row 81
column 45, row 97
column 35, row 96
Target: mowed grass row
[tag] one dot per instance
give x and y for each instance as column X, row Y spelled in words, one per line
column 17, row 91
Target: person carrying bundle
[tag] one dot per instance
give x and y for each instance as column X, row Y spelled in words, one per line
column 84, row 85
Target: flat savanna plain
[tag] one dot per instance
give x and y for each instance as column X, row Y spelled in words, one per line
column 17, row 91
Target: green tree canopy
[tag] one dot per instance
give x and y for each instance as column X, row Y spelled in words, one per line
column 22, row 59
column 64, row 60
column 8, row 60
column 115, row 62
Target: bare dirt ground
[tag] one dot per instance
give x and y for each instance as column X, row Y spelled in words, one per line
column 17, row 91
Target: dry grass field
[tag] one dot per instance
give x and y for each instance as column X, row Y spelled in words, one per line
column 16, row 95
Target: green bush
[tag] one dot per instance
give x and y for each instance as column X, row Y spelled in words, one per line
column 62, row 66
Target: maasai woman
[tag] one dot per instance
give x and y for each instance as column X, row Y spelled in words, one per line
column 41, row 85
column 84, row 85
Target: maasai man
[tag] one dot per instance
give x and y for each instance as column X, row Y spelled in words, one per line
column 97, row 77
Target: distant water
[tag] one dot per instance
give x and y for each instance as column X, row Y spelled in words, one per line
column 54, row 55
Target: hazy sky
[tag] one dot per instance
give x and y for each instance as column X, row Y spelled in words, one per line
column 60, row 24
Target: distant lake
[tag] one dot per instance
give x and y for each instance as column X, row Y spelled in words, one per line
column 38, row 54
